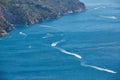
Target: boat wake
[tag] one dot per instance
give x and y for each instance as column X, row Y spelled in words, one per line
column 99, row 7
column 52, row 28
column 109, row 17
column 22, row 33
column 54, row 44
column 47, row 35
column 99, row 68
column 70, row 53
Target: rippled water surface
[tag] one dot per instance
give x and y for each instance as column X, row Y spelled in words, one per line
column 80, row 46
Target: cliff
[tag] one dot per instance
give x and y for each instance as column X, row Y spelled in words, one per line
column 33, row 11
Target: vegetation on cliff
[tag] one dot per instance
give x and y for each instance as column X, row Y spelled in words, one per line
column 33, row 11
column 5, row 26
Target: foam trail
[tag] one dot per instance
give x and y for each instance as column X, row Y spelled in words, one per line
column 51, row 27
column 21, row 33
column 109, row 17
column 70, row 53
column 54, row 44
column 99, row 68
column 99, row 7
column 47, row 35
column 80, row 57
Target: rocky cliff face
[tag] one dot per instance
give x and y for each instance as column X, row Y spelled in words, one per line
column 33, row 11
column 5, row 26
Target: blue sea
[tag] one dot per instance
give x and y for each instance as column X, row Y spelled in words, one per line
column 79, row 46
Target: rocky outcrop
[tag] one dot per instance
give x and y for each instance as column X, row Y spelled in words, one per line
column 33, row 11
column 5, row 26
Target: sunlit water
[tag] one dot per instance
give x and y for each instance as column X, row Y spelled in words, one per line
column 80, row 46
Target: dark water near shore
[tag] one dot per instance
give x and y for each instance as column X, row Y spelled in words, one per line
column 80, row 46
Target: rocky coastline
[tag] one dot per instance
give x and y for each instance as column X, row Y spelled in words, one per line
column 26, row 12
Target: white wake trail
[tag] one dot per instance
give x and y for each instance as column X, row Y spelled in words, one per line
column 70, row 53
column 47, row 35
column 109, row 17
column 100, row 7
column 54, row 44
column 80, row 57
column 21, row 33
column 99, row 68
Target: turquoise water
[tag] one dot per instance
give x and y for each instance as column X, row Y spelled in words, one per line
column 80, row 46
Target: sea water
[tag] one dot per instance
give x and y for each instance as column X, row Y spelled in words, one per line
column 79, row 46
